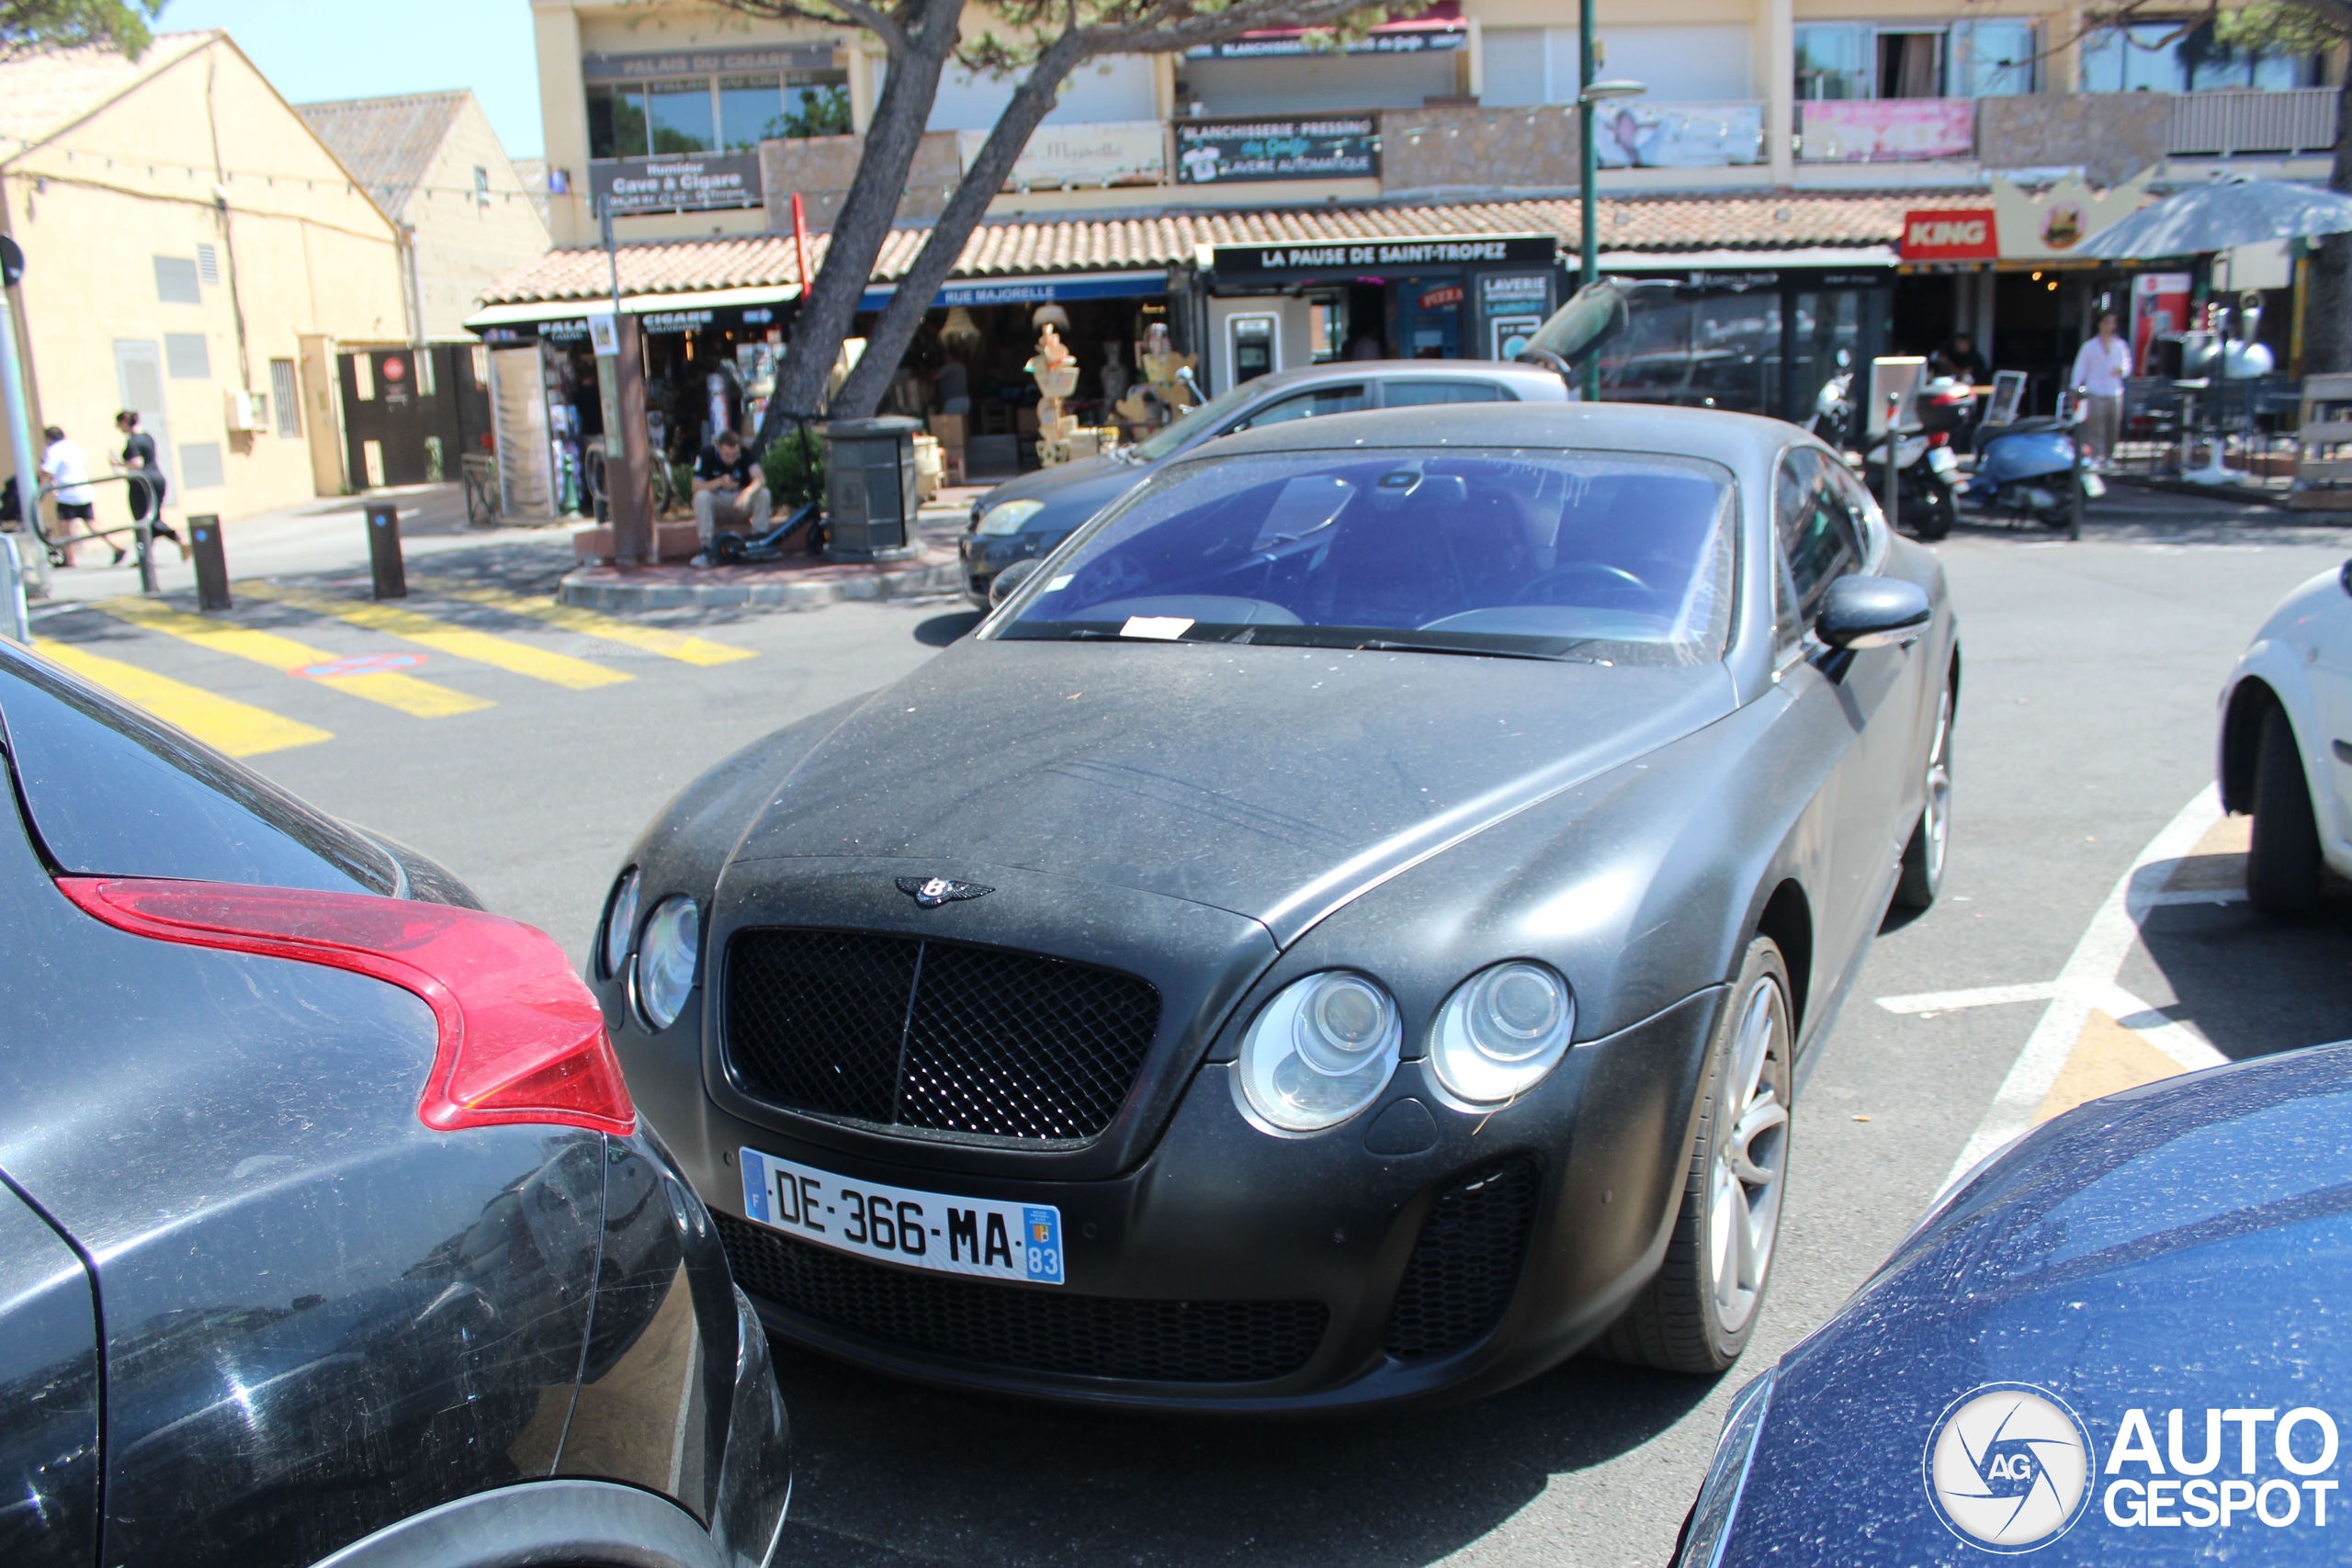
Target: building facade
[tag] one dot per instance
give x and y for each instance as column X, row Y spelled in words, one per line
column 193, row 252
column 433, row 163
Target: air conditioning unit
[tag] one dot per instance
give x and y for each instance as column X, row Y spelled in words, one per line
column 248, row 412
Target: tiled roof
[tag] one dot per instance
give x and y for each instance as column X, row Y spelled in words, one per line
column 1658, row 224
column 43, row 91
column 388, row 143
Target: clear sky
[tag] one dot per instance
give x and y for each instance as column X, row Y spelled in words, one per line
column 315, row 49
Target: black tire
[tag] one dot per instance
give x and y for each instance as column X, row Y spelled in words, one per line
column 2282, row 867
column 1938, row 514
column 1924, row 856
column 1680, row 1322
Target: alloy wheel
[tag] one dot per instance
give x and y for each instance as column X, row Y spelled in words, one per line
column 1937, row 818
column 1750, row 1158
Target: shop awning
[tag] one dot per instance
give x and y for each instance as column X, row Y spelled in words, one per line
column 1033, row 290
column 759, row 305
column 1442, row 27
column 1803, row 258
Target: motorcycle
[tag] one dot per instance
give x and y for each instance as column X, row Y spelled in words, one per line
column 2024, row 470
column 1925, row 461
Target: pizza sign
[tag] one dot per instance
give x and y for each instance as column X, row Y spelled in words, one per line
column 1967, row 235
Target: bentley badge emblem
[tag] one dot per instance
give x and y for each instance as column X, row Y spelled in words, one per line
column 930, row 892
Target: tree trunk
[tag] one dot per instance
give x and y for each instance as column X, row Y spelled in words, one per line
column 888, row 341
column 2327, row 314
column 866, row 215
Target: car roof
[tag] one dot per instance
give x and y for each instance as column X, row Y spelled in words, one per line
column 1746, row 443
column 1391, row 369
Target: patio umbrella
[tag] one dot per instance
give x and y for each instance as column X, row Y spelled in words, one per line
column 2219, row 216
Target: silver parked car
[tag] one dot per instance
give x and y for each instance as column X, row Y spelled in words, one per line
column 1027, row 517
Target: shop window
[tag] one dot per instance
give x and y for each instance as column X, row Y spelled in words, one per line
column 175, row 281
column 2175, row 57
column 283, row 388
column 617, row 122
column 678, row 117
column 187, row 357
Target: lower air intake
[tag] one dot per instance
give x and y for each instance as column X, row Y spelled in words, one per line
column 1026, row 1330
column 1466, row 1264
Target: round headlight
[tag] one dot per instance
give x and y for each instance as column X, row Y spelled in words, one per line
column 1321, row 1051
column 665, row 960
column 1006, row 518
column 1502, row 1030
column 620, row 922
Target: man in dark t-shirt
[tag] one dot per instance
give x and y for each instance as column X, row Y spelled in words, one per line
column 728, row 489
column 139, row 457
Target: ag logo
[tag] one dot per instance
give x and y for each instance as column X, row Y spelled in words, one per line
column 2008, row 1467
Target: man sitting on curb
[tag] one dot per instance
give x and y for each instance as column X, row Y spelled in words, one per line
column 728, row 489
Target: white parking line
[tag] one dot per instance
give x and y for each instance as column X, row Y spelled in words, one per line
column 1982, row 996
column 2087, row 983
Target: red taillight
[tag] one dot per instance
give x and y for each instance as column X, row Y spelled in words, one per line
column 1939, row 438
column 521, row 1039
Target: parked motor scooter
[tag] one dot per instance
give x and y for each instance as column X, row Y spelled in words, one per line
column 2024, row 470
column 1925, row 461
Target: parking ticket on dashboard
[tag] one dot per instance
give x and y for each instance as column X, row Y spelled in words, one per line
column 899, row 1224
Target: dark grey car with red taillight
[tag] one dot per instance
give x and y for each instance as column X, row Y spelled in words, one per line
column 328, row 1229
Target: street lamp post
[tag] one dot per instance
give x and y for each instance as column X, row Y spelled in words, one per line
column 1590, row 94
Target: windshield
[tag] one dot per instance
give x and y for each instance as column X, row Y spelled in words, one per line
column 1193, row 421
column 1615, row 558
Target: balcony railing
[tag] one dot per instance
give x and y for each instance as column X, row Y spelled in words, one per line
column 2302, row 119
column 1886, row 131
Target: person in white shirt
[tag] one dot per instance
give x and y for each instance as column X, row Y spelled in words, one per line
column 66, row 467
column 2100, row 366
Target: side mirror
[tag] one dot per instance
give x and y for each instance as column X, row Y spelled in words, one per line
column 1872, row 611
column 1010, row 578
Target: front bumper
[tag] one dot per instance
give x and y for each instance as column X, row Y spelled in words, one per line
column 1413, row 1252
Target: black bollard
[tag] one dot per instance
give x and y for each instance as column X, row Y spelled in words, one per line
column 384, row 551
column 211, row 562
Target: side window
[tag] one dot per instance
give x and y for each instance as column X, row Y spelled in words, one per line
column 1817, row 539
column 1301, row 405
column 1869, row 523
column 1413, row 394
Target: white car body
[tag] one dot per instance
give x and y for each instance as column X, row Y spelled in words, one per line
column 2301, row 660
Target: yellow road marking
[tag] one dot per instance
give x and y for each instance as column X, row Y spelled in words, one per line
column 520, row 658
column 2107, row 1059
column 420, row 699
column 238, row 728
column 652, row 640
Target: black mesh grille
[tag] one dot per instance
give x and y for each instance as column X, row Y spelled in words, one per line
column 934, row 1035
column 1030, row 1330
column 1464, row 1267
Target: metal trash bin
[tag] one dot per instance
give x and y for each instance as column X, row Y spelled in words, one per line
column 870, row 488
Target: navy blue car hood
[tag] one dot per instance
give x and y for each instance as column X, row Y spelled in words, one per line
column 2017, row 1365
column 1269, row 781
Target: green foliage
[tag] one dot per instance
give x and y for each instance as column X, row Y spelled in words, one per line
column 794, row 465
column 816, row 111
column 2280, row 26
column 29, row 25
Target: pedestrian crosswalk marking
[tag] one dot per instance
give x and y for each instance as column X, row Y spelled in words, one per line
column 679, row 645
column 482, row 647
column 239, row 728
column 420, row 699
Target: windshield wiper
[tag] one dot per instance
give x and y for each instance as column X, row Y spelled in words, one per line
column 1406, row 645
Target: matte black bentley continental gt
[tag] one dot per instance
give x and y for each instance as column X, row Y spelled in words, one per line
column 1343, row 929
column 328, row 1231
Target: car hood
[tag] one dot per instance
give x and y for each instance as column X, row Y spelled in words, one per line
column 2186, row 1246
column 1273, row 783
column 1072, row 491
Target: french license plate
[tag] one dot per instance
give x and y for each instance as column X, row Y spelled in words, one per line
column 1021, row 1242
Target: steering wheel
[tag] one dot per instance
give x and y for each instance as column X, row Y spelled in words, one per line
column 1609, row 584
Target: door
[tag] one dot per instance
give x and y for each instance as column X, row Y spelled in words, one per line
column 48, row 1364
column 2329, row 661
column 139, row 383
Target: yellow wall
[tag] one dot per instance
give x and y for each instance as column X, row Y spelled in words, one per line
column 300, row 250
column 463, row 243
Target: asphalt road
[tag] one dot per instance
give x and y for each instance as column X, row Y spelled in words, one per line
column 2084, row 732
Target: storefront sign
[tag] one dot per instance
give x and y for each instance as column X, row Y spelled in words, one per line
column 1968, row 236
column 2048, row 225
column 2159, row 308
column 1516, row 250
column 703, row 183
column 1117, row 152
column 704, row 62
column 1872, row 131
column 1330, row 147
column 653, row 323
column 1514, row 305
column 1035, row 290
column 1395, row 38
column 1441, row 298
column 1678, row 136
